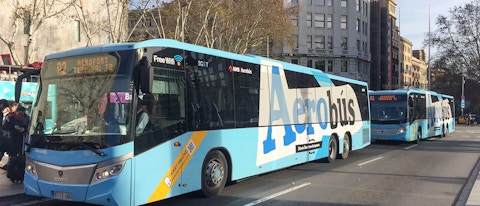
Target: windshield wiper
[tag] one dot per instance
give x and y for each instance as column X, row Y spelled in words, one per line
column 92, row 149
column 36, row 139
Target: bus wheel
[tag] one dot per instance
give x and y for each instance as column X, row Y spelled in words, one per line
column 214, row 173
column 346, row 147
column 332, row 149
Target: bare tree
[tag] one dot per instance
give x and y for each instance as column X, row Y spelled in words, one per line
column 32, row 15
column 109, row 16
column 457, row 39
column 231, row 25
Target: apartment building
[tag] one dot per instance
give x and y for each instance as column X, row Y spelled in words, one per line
column 332, row 36
column 407, row 73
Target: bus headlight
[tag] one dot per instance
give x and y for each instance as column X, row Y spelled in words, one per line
column 106, row 172
column 30, row 168
column 401, row 130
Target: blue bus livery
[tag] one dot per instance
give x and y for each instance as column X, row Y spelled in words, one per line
column 410, row 114
column 215, row 117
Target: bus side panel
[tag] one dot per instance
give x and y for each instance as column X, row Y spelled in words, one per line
column 157, row 171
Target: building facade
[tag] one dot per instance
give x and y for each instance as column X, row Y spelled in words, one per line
column 385, row 42
column 420, row 64
column 407, row 73
column 332, row 36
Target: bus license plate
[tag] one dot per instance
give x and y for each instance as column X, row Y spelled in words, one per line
column 62, row 195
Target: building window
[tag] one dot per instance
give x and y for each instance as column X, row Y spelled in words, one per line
column 77, row 30
column 343, row 3
column 320, row 65
column 319, row 42
column 309, row 2
column 131, row 23
column 309, row 41
column 359, row 47
column 294, row 61
column 357, row 5
column 329, row 21
column 344, row 66
column 27, row 22
column 309, row 63
column 309, row 19
column 365, row 28
column 25, row 51
column 295, row 43
column 343, row 22
column 329, row 42
column 357, row 25
column 329, row 2
column 320, row 2
column 344, row 43
column 320, row 20
column 330, row 65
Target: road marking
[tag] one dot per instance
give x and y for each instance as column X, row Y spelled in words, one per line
column 33, row 202
column 410, row 147
column 277, row 194
column 369, row 161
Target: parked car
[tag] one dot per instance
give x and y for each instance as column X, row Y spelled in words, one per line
column 474, row 119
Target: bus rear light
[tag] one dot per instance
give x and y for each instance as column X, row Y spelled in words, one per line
column 107, row 172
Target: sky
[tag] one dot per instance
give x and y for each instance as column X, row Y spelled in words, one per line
column 413, row 18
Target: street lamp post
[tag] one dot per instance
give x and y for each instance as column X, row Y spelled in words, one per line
column 462, row 103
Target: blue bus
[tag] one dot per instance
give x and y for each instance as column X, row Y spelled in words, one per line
column 410, row 114
column 215, row 117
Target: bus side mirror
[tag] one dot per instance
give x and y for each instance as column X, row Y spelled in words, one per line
column 145, row 76
column 18, row 83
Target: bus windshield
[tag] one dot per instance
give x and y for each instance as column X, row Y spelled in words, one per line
column 83, row 103
column 389, row 112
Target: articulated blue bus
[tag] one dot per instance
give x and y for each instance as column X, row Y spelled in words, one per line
column 214, row 117
column 410, row 114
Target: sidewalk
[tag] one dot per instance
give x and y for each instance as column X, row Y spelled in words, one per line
column 7, row 187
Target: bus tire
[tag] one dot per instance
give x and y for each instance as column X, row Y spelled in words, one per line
column 346, row 147
column 332, row 149
column 444, row 131
column 214, row 173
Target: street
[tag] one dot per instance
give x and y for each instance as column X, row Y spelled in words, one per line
column 433, row 172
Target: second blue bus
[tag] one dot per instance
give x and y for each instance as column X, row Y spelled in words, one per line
column 410, row 114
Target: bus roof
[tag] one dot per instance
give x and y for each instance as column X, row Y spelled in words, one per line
column 181, row 45
column 403, row 91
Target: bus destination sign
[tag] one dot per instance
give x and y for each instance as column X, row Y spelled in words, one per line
column 384, row 98
column 91, row 64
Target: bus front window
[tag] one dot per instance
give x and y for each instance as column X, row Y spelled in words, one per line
column 388, row 112
column 84, row 107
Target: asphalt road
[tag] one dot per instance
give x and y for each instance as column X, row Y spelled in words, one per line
column 433, row 172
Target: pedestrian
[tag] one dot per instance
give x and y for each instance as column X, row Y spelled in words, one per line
column 3, row 142
column 16, row 124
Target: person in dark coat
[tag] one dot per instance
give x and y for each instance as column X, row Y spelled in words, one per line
column 3, row 142
column 16, row 125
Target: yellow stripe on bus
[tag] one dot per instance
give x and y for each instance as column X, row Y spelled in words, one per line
column 172, row 175
column 414, row 131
